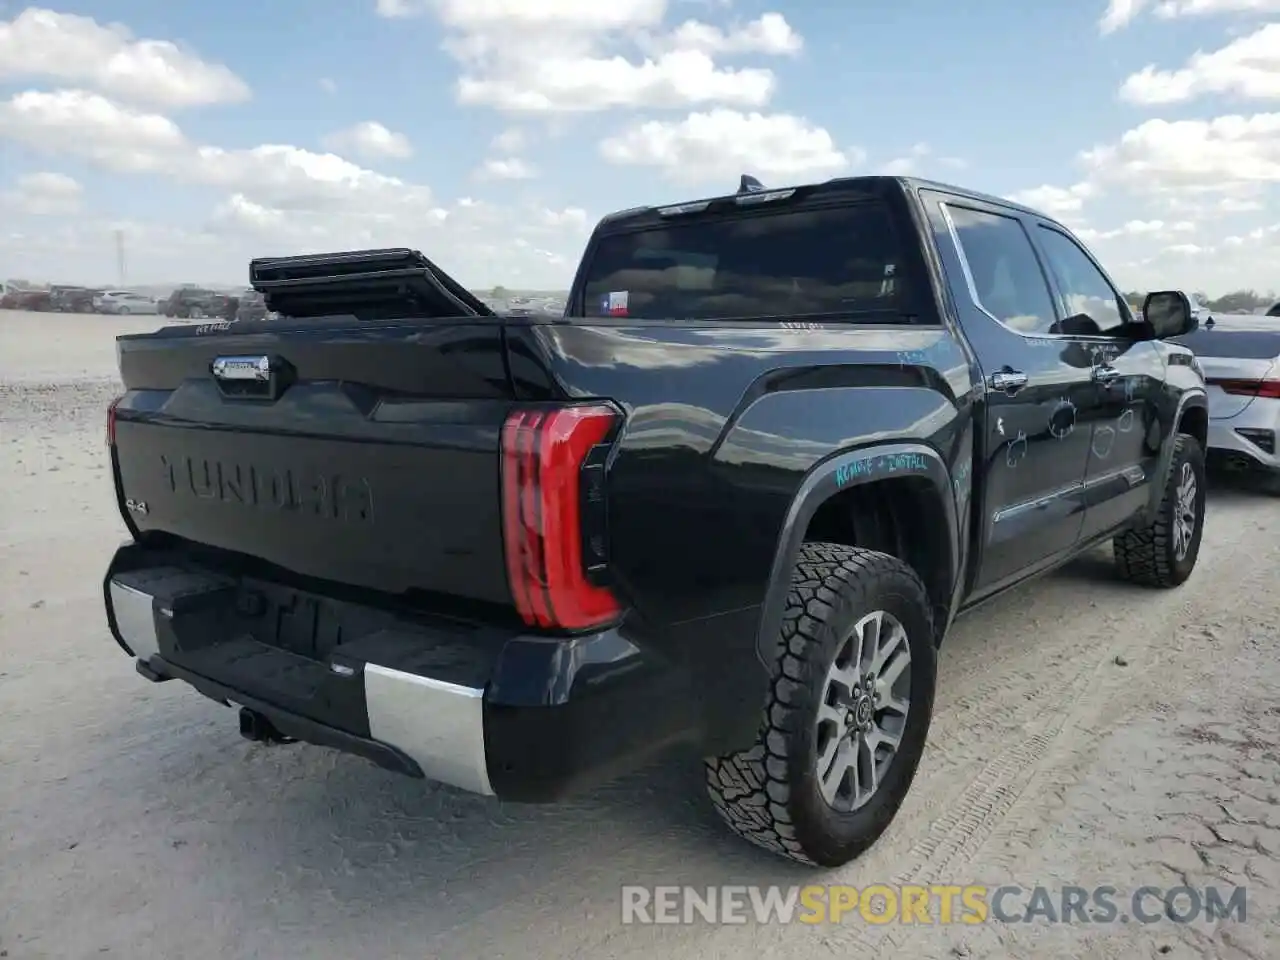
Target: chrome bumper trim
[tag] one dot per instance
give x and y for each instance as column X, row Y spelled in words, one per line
column 440, row 725
column 135, row 619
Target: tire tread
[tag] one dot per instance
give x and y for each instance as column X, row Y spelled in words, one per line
column 1144, row 556
column 750, row 789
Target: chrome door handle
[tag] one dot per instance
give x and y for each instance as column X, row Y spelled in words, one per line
column 1106, row 375
column 1008, row 381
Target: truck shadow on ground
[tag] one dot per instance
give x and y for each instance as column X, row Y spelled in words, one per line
column 1097, row 567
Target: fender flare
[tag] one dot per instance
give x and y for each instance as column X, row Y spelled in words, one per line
column 1193, row 398
column 836, row 474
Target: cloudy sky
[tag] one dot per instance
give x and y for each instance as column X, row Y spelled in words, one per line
column 492, row 133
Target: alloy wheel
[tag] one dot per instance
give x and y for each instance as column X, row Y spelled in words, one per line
column 1184, row 517
column 865, row 700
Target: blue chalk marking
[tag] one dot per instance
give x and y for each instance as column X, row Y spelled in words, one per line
column 935, row 354
column 882, row 465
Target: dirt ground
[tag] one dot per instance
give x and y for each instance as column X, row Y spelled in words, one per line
column 1086, row 733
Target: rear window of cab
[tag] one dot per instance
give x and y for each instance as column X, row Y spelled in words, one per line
column 814, row 263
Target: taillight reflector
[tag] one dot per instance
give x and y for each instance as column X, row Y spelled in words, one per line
column 543, row 452
column 1267, row 389
column 111, row 421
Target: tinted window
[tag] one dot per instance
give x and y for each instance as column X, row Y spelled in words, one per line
column 1274, row 311
column 1006, row 274
column 1091, row 306
column 776, row 264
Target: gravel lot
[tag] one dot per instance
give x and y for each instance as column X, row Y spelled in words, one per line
column 1086, row 733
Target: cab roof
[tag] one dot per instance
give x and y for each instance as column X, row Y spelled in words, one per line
column 751, row 190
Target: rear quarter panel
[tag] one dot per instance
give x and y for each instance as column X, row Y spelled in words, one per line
column 732, row 435
column 725, row 421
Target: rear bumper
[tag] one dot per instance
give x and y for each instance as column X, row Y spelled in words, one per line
column 1250, row 438
column 523, row 718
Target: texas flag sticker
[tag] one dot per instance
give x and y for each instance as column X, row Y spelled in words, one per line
column 614, row 304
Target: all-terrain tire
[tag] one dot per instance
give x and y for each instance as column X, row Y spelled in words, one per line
column 769, row 794
column 1147, row 555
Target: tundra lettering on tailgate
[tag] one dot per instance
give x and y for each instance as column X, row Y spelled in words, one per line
column 330, row 496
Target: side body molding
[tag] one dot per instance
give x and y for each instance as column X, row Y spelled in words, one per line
column 835, row 475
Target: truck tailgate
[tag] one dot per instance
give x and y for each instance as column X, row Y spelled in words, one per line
column 363, row 453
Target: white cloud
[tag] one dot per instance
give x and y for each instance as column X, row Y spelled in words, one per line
column 505, row 168
column 571, row 56
column 88, row 125
column 78, row 123
column 723, row 144
column 75, row 49
column 511, row 140
column 1187, row 195
column 1174, row 9
column 394, row 9
column 328, row 85
column 278, row 199
column 550, row 84
column 371, row 141
column 1137, row 228
column 1121, row 13
column 44, row 194
column 909, row 163
column 1228, row 154
column 479, row 243
column 768, row 34
column 562, row 15
column 1246, row 67
column 1055, row 201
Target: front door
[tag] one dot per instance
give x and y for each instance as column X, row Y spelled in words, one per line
column 1040, row 400
column 1127, row 375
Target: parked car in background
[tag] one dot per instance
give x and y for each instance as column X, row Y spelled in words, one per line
column 252, row 306
column 194, row 303
column 1240, row 357
column 125, row 302
column 39, row 301
column 1199, row 309
column 69, row 299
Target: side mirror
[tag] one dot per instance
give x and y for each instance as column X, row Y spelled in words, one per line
column 1169, row 313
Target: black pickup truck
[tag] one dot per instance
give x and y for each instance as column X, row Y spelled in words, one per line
column 734, row 497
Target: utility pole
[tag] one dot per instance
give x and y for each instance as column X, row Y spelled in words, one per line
column 120, row 256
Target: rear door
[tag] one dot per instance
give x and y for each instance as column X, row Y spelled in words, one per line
column 1127, row 380
column 1040, row 395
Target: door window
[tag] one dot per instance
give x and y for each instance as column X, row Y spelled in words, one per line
column 1007, row 280
column 1091, row 305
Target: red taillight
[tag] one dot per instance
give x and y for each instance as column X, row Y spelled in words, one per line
column 543, row 454
column 111, row 421
column 1267, row 389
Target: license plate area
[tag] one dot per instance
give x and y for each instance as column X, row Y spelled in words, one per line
column 302, row 623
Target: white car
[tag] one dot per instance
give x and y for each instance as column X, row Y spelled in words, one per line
column 1240, row 357
column 124, row 302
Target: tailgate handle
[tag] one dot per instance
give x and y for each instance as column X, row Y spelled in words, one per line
column 258, row 377
column 1106, row 375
